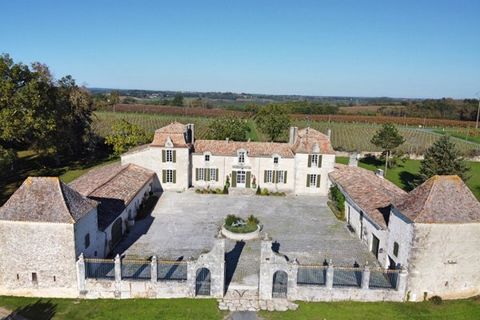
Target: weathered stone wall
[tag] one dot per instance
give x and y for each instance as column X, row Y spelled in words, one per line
column 46, row 249
column 302, row 169
column 444, row 261
column 400, row 230
column 89, row 225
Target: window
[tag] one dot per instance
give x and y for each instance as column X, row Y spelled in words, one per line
column 169, row 155
column 268, row 176
column 87, row 240
column 313, row 181
column 396, row 247
column 207, row 158
column 315, row 160
column 241, row 157
column 213, row 174
column 275, row 160
column 201, row 174
column 54, row 278
column 280, row 177
column 34, row 278
column 169, row 176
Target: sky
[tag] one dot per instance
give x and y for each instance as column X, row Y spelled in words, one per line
column 416, row 49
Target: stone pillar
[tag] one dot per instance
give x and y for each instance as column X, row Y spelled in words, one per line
column 329, row 279
column 81, row 273
column 153, row 269
column 118, row 276
column 402, row 280
column 265, row 281
column 366, row 277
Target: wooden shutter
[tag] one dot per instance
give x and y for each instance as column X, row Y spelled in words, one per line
column 216, row 174
column 164, row 176
column 318, row 181
column 265, row 176
column 206, row 174
column 164, row 155
column 285, row 177
column 174, row 155
column 309, row 160
column 319, row 160
column 234, row 179
column 174, row 176
column 247, row 182
column 308, row 180
column 196, row 173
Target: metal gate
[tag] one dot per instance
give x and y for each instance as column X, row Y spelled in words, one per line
column 280, row 284
column 202, row 282
column 116, row 231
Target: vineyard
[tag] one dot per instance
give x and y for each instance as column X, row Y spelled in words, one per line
column 345, row 136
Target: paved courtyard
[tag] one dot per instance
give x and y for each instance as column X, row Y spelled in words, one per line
column 185, row 225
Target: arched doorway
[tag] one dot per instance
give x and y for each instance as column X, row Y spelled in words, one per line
column 203, row 282
column 116, row 231
column 280, row 284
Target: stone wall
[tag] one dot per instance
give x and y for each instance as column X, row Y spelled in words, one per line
column 302, row 169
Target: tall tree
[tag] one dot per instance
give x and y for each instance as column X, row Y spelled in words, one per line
column 125, row 136
column 178, row 100
column 443, row 158
column 230, row 127
column 387, row 138
column 273, row 120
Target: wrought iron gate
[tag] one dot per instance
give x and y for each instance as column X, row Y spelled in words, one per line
column 280, row 284
column 203, row 282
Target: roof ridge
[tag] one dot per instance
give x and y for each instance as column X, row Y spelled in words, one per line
column 427, row 200
column 59, row 183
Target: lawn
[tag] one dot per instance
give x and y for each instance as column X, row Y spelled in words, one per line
column 459, row 309
column 404, row 174
column 71, row 309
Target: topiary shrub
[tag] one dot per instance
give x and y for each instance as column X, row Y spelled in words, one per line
column 225, row 189
column 259, row 191
column 265, row 192
column 436, row 300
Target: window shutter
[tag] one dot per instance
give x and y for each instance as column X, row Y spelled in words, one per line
column 196, row 173
column 174, row 176
column 206, row 173
column 319, row 160
column 318, row 181
column 285, row 177
column 265, row 176
column 309, row 160
column 308, row 180
column 275, row 176
column 234, row 179
column 163, row 155
column 164, row 176
column 174, row 156
column 216, row 174
column 247, row 182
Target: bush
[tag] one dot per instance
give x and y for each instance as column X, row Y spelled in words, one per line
column 252, row 219
column 436, row 300
column 238, row 225
column 259, row 191
column 265, row 192
column 231, row 219
column 338, row 198
column 225, row 189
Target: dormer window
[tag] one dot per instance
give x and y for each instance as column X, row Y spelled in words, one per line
column 241, row 157
column 315, row 160
column 275, row 160
column 207, row 158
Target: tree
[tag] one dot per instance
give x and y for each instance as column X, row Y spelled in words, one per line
column 178, row 100
column 114, row 98
column 387, row 138
column 7, row 157
column 443, row 158
column 230, row 127
column 125, row 136
column 273, row 120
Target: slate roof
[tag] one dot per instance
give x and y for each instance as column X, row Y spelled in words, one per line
column 254, row 149
column 370, row 192
column 176, row 131
column 46, row 199
column 440, row 199
column 114, row 186
column 308, row 140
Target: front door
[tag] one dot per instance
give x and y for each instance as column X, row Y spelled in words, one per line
column 241, row 179
column 116, row 231
column 375, row 245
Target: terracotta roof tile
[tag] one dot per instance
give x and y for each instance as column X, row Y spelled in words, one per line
column 440, row 199
column 254, row 149
column 176, row 131
column 370, row 192
column 113, row 186
column 308, row 140
column 46, row 199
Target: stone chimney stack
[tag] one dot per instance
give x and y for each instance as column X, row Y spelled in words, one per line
column 379, row 173
column 353, row 160
column 190, row 133
column 329, row 133
column 292, row 137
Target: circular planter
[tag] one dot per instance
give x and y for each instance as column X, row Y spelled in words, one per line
column 241, row 236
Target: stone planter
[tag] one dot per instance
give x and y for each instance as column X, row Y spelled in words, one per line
column 241, row 236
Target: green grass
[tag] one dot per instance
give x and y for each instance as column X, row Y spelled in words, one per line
column 460, row 133
column 131, row 309
column 452, row 310
column 404, row 173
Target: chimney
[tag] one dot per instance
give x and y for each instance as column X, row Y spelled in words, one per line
column 293, row 135
column 329, row 133
column 226, row 140
column 353, row 160
column 379, row 173
column 190, row 133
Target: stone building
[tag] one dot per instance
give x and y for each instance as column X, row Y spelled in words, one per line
column 300, row 166
column 433, row 231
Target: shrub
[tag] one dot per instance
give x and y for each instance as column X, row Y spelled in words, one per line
column 259, row 191
column 252, row 219
column 265, row 192
column 225, row 189
column 231, row 219
column 436, row 300
column 338, row 198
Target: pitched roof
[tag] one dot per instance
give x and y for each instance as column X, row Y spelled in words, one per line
column 46, row 199
column 370, row 192
column 440, row 199
column 254, row 149
column 176, row 131
column 309, row 140
column 114, row 186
